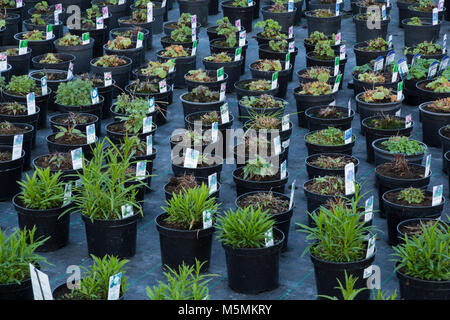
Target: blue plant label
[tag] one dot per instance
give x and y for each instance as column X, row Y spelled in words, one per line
column 151, row 105
column 17, row 146
column 444, row 63
column 337, row 8
column 114, row 286
column 437, row 195
column 212, row 183
column 378, row 65
column 348, row 136
column 383, row 12
column 403, row 67
column 390, row 57
column 291, row 5
column 390, row 43
column 432, row 70
column 94, row 96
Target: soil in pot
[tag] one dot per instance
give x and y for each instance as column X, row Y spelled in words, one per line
column 329, row 164
column 322, row 117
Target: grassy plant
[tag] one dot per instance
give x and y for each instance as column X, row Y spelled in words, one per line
column 348, row 291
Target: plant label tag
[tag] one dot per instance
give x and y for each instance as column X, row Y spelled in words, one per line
column 114, row 285
column 58, row 8
column 285, row 144
column 292, row 46
column 31, row 102
column 237, row 24
column 427, row 165
column 3, row 61
column 237, row 54
column 141, row 168
column 224, row 114
column 194, row 48
column 140, row 39
column 67, row 193
column 274, row 80
column 398, row 113
column 414, row 58
column 342, row 52
column 435, row 16
column 367, row 272
column 107, row 78
column 223, row 88
column 332, row 103
column 390, row 41
column 149, row 142
column 336, row 65
column 443, row 64
column 378, row 65
column 287, row 61
column 348, row 136
column 291, row 32
column 172, row 67
column 147, row 124
column 194, row 34
column 383, row 12
column 291, row 198
column 368, row 209
column 371, row 246
column 94, row 96
column 149, row 11
column 70, row 71
column 437, row 195
column 349, row 107
column 191, row 158
column 402, row 67
column 214, row 131
column 90, row 134
column 162, row 86
column 151, row 105
column 242, row 37
column 220, row 73
column 212, row 183
column 400, row 91
column 285, row 123
column 337, row 82
column 44, row 89
column 99, row 23
column 408, row 121
column 395, row 73
column 19, row 3
column 349, row 178
column 441, row 5
column 432, row 70
column 56, row 17
column 291, row 5
column 40, row 284
column 337, row 9
column 207, row 219
column 127, row 211
column 337, row 39
column 17, row 146
column 85, row 38
column 283, row 170
column 444, row 44
column 388, row 3
column 249, row 3
column 194, row 21
column 49, row 32
column 269, row 238
column 390, row 58
column 23, row 47
column 77, row 158
column 277, row 145
column 105, row 12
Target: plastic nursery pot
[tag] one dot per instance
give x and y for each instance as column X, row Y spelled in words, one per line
column 245, row 14
column 12, row 23
column 245, row 274
column 241, row 155
column 107, row 94
column 178, row 246
column 413, row 222
column 306, row 101
column 363, row 8
column 364, row 56
column 241, row 92
column 283, row 77
column 61, row 292
column 98, row 35
column 169, row 26
column 30, row 119
column 309, row 47
column 6, row 73
column 418, row 34
column 20, row 63
column 8, row 140
column 51, row 83
column 402, row 12
column 314, row 122
column 445, row 142
column 245, row 186
column 111, row 237
column 63, row 65
column 135, row 54
column 363, row 33
column 428, row 95
column 148, row 26
column 15, row 291
column 57, row 28
column 425, row 14
column 315, row 200
column 66, row 176
column 326, row 25
column 317, row 149
column 215, row 194
column 327, row 273
column 120, row 74
column 182, row 66
column 199, row 172
column 65, row 148
column 383, row 156
column 116, row 11
column 301, row 74
column 212, row 32
column 361, row 86
column 246, row 111
column 387, row 183
column 216, row 47
column 373, row 134
column 113, row 33
column 197, row 7
column 410, row 92
column 431, row 123
column 265, row 52
column 396, row 213
column 437, row 56
column 191, row 107
column 38, row 47
column 447, row 164
column 317, row 4
column 167, row 41
column 212, row 85
column 117, row 137
column 315, row 171
column 282, row 219
column 298, row 13
column 55, row 121
column 262, row 40
column 170, row 77
column 232, row 69
column 48, row 223
column 83, row 54
column 284, row 19
column 311, row 61
column 10, row 173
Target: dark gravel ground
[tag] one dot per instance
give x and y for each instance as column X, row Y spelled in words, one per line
column 296, row 271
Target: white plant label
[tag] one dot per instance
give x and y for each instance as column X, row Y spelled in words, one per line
column 337, row 82
column 149, row 11
column 127, row 211
column 283, row 170
column 274, row 80
column 285, row 144
column 349, row 170
column 114, row 285
column 149, row 142
column 220, row 74
column 277, row 145
column 194, row 48
column 349, row 107
column 77, row 158
column 224, row 113
column 390, row 58
column 70, row 71
column 285, row 123
column 291, row 5
column 56, row 17
column 67, row 193
column 58, row 8
column 214, row 132
column 368, row 209
column 337, row 39
column 398, row 113
column 99, row 23
column 17, row 146
column 441, row 5
column 49, row 32
column 207, row 219
column 444, row 63
column 383, row 12
column 402, row 67
column 332, row 103
column 378, row 65
column 292, row 46
column 90, row 133
column 435, row 16
column 237, row 54
column 367, row 272
column 191, row 158
column 390, row 41
column 141, row 168
column 94, row 96
column 44, row 87
column 408, row 121
column 291, row 32
column 212, row 183
column 40, row 284
column 437, row 195
column 140, row 39
column 400, row 91
column 342, row 52
column 19, row 3
column 147, row 124
column 432, row 70
column 371, row 246
column 444, row 43
column 348, row 136
column 194, row 34
column 107, row 79
column 151, row 105
column 337, row 9
column 414, row 58
column 242, row 37
column 3, row 61
column 162, row 86
column 291, row 198
column 427, row 165
column 237, row 24
column 194, row 21
column 31, row 103
column 223, row 88
column 269, row 238
column 23, row 47
column 105, row 12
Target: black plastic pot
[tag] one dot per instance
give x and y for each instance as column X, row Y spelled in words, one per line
column 191, row 107
column 283, row 77
column 12, row 24
column 38, row 47
column 83, row 55
column 284, row 19
column 431, row 123
column 418, row 289
column 100, row 37
column 159, row 96
column 116, row 11
column 316, row 123
column 426, row 95
column 20, row 64
column 10, row 173
column 111, row 237
column 120, row 74
column 6, row 73
column 265, row 53
column 363, row 33
column 396, row 213
column 182, row 66
column 417, row 34
column 364, row 56
column 57, row 28
column 383, row 156
column 317, row 149
column 241, row 92
column 169, row 195
column 66, row 176
column 199, row 172
column 438, row 56
column 64, row 65
column 402, row 12
column 413, row 222
column 14, row 291
column 315, row 200
column 48, row 223
column 424, row 14
column 145, row 25
column 410, row 92
column 147, row 43
column 137, row 55
column 445, row 142
column 245, row 186
column 328, row 25
column 447, row 164
column 168, row 27
column 244, row 266
column 303, row 79
column 213, row 35
column 82, row 127
column 245, row 111
column 212, row 85
column 8, row 140
column 52, row 84
column 215, row 47
column 298, row 13
column 30, row 119
column 313, row 62
column 197, row 7
column 117, row 137
column 178, row 246
column 262, row 40
column 243, row 13
column 361, row 86
column 305, row 101
column 314, row 171
column 65, row 148
column 167, row 41
column 232, row 69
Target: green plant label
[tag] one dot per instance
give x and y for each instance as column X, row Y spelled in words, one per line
column 151, row 104
column 140, row 39
column 437, row 195
column 268, row 235
column 432, row 70
column 194, row 48
column 378, row 65
column 371, row 246
column 443, row 64
column 141, row 168
column 31, row 100
column 147, row 124
column 172, row 67
column 105, row 12
column 287, row 61
column 400, row 91
column 207, row 219
column 223, row 88
column 408, row 121
column 285, row 123
column 274, row 80
column 237, row 24
column 349, row 171
column 237, row 54
column 85, row 38
column 349, row 107
column 191, row 158
column 49, row 32
column 94, row 96
column 149, row 11
column 337, row 82
column 368, row 209
column 242, row 38
column 337, row 39
column 283, row 170
column 90, row 134
column 67, row 193
column 3, row 61
column 193, row 21
column 292, row 46
column 163, row 86
column 149, row 141
column 212, row 183
column 40, row 284
column 342, row 52
column 77, row 158
column 394, row 73
column 336, row 65
column 224, row 114
column 220, row 73
column 70, row 71
column 348, row 136
column 427, row 165
column 114, row 285
column 107, row 78
column 435, row 16
column 17, row 146
column 291, row 198
column 23, row 47
column 214, row 131
column 127, row 211
column 99, row 23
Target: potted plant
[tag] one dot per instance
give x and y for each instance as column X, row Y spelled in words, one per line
column 433, row 89
column 254, row 87
column 17, row 113
column 317, row 37
column 180, row 36
column 123, row 46
column 119, row 66
column 140, row 8
column 67, row 139
column 54, row 79
column 252, row 242
column 444, row 136
column 386, row 148
column 323, row 20
column 10, row 172
column 116, row 9
column 279, row 12
column 231, row 67
column 405, row 203
column 157, row 71
column 131, row 125
column 216, row 31
column 147, row 89
column 403, row 12
column 371, row 49
column 184, row 20
column 201, row 98
column 126, row 105
column 426, row 49
column 420, row 274
column 271, row 31
column 383, row 126
column 399, row 173
column 132, row 32
column 362, row 6
column 98, row 81
column 95, row 283
column 262, row 104
column 330, row 140
column 40, row 204
column 298, row 4
column 207, row 163
column 265, row 68
column 57, row 162
column 20, row 63
column 72, row 44
column 198, row 7
column 184, row 61
column 18, row 251
column 415, row 227
column 79, row 120
column 278, row 50
column 239, row 9
column 322, row 117
column 56, row 61
column 178, row 185
column 12, row 22
column 328, row 164
column 418, row 30
column 321, row 4
column 39, row 22
column 256, row 144
column 363, row 32
column 7, row 132
column 183, row 234
column 416, row 72
column 207, row 78
column 424, row 9
column 435, row 115
column 138, row 19
column 312, row 74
